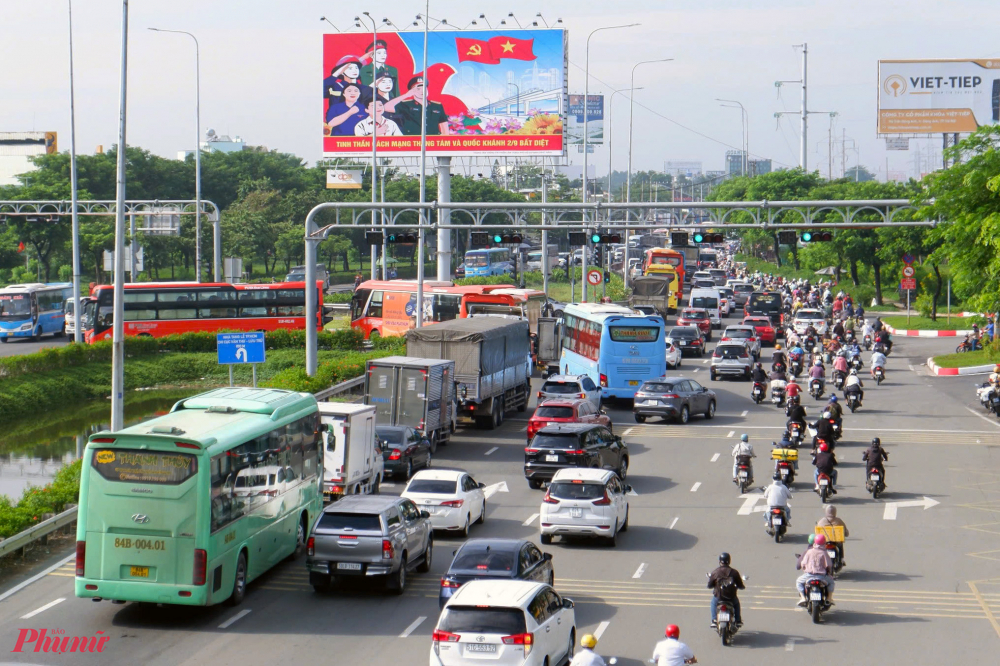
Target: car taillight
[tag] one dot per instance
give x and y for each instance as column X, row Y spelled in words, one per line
column 549, row 499
column 671, row 396
column 450, row 583
column 582, row 395
column 716, row 354
column 453, row 503
column 604, row 501
column 443, row 637
column 575, row 452
column 388, row 552
column 539, row 395
column 81, row 556
column 520, row 639
column 530, row 450
column 395, row 455
column 311, row 547
column 200, row 565
column 604, row 380
column 696, row 342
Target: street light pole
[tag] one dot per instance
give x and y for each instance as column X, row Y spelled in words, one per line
column 631, row 113
column 78, row 331
column 610, row 173
column 745, row 126
column 197, row 159
column 374, row 248
column 118, row 315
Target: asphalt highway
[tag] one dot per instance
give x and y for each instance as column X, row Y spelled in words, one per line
column 17, row 347
column 921, row 588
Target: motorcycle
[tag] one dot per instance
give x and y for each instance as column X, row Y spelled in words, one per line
column 849, row 337
column 744, row 475
column 779, row 366
column 825, row 488
column 853, row 401
column 879, row 373
column 816, row 388
column 838, row 379
column 758, row 392
column 725, row 620
column 833, row 552
column 796, row 434
column 967, row 345
column 778, row 396
column 793, row 401
column 856, row 362
column 868, row 343
column 777, row 523
column 796, row 367
column 817, row 598
column 787, row 471
column 874, row 483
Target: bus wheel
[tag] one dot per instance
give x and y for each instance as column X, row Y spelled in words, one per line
column 4, row 339
column 34, row 334
column 239, row 581
column 300, row 537
column 373, row 335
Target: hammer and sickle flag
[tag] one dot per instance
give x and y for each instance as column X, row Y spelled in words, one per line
column 475, row 50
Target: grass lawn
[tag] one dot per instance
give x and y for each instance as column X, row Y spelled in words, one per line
column 918, row 323
column 980, row 357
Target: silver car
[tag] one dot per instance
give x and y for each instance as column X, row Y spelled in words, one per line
column 731, row 358
column 571, row 386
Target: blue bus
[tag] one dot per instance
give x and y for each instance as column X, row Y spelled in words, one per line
column 492, row 261
column 31, row 310
column 618, row 348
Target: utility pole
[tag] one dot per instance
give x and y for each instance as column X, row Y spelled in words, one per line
column 803, row 111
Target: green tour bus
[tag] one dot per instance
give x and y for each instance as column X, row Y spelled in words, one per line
column 189, row 507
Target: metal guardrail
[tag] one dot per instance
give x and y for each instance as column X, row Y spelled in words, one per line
column 37, row 532
column 342, row 387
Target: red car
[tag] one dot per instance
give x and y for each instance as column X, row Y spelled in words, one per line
column 555, row 410
column 696, row 317
column 765, row 331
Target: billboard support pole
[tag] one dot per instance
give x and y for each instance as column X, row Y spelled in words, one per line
column 374, row 248
column 545, row 233
column 444, row 217
column 118, row 324
column 423, row 176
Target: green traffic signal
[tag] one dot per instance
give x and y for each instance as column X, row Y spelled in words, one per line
column 595, row 238
column 807, row 236
column 699, row 238
column 497, row 238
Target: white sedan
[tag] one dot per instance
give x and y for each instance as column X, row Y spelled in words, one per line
column 806, row 317
column 452, row 497
column 674, row 356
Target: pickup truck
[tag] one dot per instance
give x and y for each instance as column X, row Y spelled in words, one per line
column 366, row 537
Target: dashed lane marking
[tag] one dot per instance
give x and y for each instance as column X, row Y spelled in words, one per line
column 745, row 412
column 697, row 369
column 494, row 488
column 695, row 487
column 50, row 571
column 731, row 433
column 627, row 432
column 674, row 522
column 530, row 519
column 413, row 626
column 236, row 618
column 493, row 450
column 47, row 606
column 601, row 628
column 715, row 457
column 977, row 414
column 641, row 570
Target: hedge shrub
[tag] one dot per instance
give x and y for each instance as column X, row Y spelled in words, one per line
column 37, row 501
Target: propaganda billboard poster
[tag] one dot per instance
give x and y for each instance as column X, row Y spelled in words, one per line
column 937, row 96
column 488, row 93
column 595, row 120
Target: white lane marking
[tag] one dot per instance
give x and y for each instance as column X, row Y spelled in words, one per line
column 530, row 519
column 641, row 570
column 494, row 488
column 674, row 522
column 975, row 413
column 790, row 644
column 20, row 586
column 715, row 457
column 632, row 493
column 891, row 507
column 750, row 501
column 493, row 450
column 601, row 628
column 705, row 361
column 62, row 599
column 627, row 432
column 695, row 487
column 410, row 629
column 239, row 616
column 745, row 412
column 731, row 433
column 697, row 369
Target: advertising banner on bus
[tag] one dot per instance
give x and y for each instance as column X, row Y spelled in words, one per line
column 489, row 93
column 937, row 96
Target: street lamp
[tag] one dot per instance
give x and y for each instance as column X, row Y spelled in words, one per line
column 323, row 18
column 78, row 332
column 631, row 113
column 197, row 156
column 611, row 172
column 745, row 125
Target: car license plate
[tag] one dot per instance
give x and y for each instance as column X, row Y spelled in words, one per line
column 551, row 458
column 815, row 596
column 723, row 617
column 575, row 513
column 480, row 647
column 683, row 344
column 138, row 572
column 349, row 566
column 633, row 382
column 777, row 521
column 651, row 402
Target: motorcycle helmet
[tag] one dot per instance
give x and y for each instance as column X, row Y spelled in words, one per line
column 831, row 511
column 588, row 641
column 854, row 372
column 820, row 540
column 833, row 398
column 724, row 559
column 777, row 347
column 827, row 415
column 812, row 537
column 673, row 631
column 818, row 361
column 758, row 365
column 777, row 477
column 823, row 447
column 876, row 442
column 744, row 438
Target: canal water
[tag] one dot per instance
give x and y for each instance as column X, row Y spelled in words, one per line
column 33, row 450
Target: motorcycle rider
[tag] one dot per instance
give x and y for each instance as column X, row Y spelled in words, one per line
column 759, row 375
column 795, row 352
column 778, row 357
column 586, row 656
column 777, row 495
column 725, row 582
column 836, row 411
column 817, row 371
column 670, row 651
column 883, row 337
column 840, row 364
column 793, row 390
column 874, row 455
column 777, row 380
column 742, row 452
column 815, row 563
column 853, row 351
column 853, row 385
column 830, row 520
column 838, row 329
column 878, row 360
column 826, row 463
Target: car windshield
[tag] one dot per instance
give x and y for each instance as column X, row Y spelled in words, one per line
column 759, row 322
column 554, row 412
column 657, row 388
column 811, row 315
column 730, row 351
column 738, row 333
column 705, row 302
column 692, row 314
column 474, row 620
column 744, row 287
column 683, row 333
column 295, row 277
column 390, row 436
column 353, row 521
column 483, row 560
column 432, row 486
column 565, row 441
column 561, row 388
column 576, row 490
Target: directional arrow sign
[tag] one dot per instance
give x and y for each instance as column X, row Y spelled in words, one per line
column 891, row 507
column 750, row 504
column 494, row 488
column 241, row 354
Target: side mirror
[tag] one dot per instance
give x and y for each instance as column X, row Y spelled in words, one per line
column 425, row 514
column 547, row 557
column 604, row 411
column 568, row 603
column 628, row 489
column 482, row 485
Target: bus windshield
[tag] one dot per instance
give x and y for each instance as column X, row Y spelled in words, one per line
column 15, row 306
column 477, row 260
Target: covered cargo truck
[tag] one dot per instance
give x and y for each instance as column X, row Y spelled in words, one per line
column 415, row 392
column 655, row 290
column 492, row 359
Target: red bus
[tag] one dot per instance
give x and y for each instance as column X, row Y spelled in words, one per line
column 382, row 308
column 507, row 302
column 164, row 308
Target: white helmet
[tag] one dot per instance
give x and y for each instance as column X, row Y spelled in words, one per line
column 854, row 372
column 826, row 415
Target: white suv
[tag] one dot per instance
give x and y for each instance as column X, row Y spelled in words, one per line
column 584, row 502
column 504, row 622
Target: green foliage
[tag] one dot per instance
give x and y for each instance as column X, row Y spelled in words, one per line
column 485, row 279
column 37, row 501
column 339, row 297
column 327, row 374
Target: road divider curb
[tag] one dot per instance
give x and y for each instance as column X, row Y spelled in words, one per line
column 925, row 334
column 952, row 372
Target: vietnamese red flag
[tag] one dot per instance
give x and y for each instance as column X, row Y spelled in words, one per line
column 20, row 246
column 509, row 47
column 475, row 50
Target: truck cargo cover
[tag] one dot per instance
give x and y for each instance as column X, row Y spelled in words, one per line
column 502, row 342
column 652, row 285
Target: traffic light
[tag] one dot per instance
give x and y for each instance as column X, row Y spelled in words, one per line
column 816, row 236
column 605, row 237
column 577, row 238
column 607, row 276
column 679, row 239
column 787, row 238
column 506, row 238
column 480, row 239
column 373, row 237
column 700, row 237
column 395, row 237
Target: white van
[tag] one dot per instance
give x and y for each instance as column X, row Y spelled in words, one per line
column 708, row 299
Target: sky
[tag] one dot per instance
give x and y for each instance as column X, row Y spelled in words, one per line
column 261, row 65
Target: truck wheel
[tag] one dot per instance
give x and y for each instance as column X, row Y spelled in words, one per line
column 398, row 583
column 425, row 565
column 434, row 442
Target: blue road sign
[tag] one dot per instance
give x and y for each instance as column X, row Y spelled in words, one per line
column 239, row 348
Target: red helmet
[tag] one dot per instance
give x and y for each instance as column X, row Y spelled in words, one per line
column 823, row 447
column 673, row 631
column 820, row 540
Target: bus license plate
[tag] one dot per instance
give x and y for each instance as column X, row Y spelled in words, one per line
column 349, row 566
column 480, row 647
column 633, row 382
column 138, row 572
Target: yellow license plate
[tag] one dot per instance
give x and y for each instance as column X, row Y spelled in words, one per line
column 633, row 382
column 139, row 572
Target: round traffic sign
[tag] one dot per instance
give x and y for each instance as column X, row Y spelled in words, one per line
column 595, row 277
column 909, row 271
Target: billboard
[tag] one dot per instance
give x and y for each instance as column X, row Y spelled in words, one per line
column 937, row 96
column 344, row 179
column 489, row 93
column 595, row 122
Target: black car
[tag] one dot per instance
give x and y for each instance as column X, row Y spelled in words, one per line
column 512, row 559
column 673, row 398
column 403, row 450
column 555, row 447
column 688, row 339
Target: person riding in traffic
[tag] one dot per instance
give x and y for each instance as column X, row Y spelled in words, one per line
column 874, row 455
column 777, row 495
column 816, row 564
column 840, row 364
column 838, row 329
column 725, row 583
column 830, row 519
column 778, row 357
column 759, row 376
column 878, row 360
column 826, row 463
column 797, row 414
column 670, row 651
column 586, row 656
column 742, row 453
column 883, row 337
column 853, row 385
column 792, row 390
column 817, row 371
column 836, row 411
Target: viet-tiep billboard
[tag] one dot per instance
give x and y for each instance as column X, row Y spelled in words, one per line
column 575, row 119
column 492, row 93
column 937, row 96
